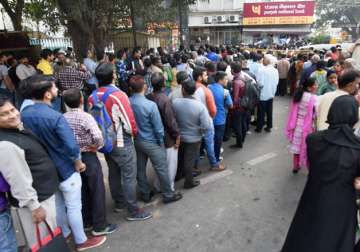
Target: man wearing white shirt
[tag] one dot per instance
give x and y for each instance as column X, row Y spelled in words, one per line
column 268, row 79
column 24, row 70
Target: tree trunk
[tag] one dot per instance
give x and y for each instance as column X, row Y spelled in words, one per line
column 183, row 23
column 14, row 14
column 133, row 24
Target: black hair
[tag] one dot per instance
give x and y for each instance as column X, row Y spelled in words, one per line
column 210, row 66
column 39, row 84
column 320, row 65
column 198, row 72
column 220, row 75
column 172, row 62
column 147, row 62
column 4, row 100
column 300, row 91
column 46, row 53
column 347, row 78
column 25, row 89
column 221, row 66
column 137, row 83
column 157, row 81
column 104, row 72
column 155, row 59
column 111, row 56
column 236, row 67
column 331, row 63
column 184, row 58
column 72, row 97
column 181, row 77
column 120, row 53
column 189, row 86
column 136, row 50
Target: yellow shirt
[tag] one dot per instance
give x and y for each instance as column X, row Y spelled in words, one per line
column 45, row 67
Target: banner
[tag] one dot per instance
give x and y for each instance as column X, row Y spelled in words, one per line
column 278, row 13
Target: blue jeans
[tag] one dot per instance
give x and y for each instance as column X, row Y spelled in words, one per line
column 7, row 234
column 157, row 155
column 122, row 175
column 68, row 208
column 209, row 147
column 218, row 139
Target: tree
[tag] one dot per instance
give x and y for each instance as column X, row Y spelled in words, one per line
column 14, row 8
column 183, row 10
column 343, row 14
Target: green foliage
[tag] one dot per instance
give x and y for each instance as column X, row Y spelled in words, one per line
column 43, row 11
column 338, row 13
column 320, row 39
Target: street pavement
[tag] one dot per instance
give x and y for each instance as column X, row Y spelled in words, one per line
column 247, row 208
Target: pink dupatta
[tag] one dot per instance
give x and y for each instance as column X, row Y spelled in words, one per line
column 307, row 127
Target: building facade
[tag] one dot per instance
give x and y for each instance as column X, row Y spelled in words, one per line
column 220, row 22
column 216, row 22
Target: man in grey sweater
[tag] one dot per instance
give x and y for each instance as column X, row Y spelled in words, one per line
column 193, row 120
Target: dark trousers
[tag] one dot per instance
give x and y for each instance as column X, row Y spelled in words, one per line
column 241, row 121
column 228, row 127
column 93, row 192
column 188, row 153
column 282, row 87
column 265, row 107
column 218, row 139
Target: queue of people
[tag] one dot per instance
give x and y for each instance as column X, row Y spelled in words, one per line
column 171, row 109
column 323, row 116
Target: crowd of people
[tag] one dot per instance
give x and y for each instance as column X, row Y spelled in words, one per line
column 56, row 116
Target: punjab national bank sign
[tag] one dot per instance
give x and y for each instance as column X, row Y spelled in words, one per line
column 278, row 13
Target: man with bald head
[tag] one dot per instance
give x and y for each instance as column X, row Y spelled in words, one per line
column 309, row 70
column 268, row 79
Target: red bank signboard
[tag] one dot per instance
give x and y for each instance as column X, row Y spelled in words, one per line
column 276, row 13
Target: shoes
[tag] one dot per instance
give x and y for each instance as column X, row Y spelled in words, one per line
column 196, row 172
column 92, row 242
column 221, row 158
column 147, row 198
column 218, row 168
column 221, row 150
column 88, row 228
column 258, row 130
column 296, row 170
column 110, row 228
column 225, row 139
column 194, row 184
column 236, row 146
column 202, row 156
column 119, row 208
column 177, row 196
column 268, row 130
column 139, row 215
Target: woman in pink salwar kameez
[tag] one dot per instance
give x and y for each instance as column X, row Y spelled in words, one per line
column 301, row 122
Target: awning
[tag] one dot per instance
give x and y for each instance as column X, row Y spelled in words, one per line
column 288, row 29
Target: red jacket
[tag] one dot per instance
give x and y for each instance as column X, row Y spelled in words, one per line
column 238, row 86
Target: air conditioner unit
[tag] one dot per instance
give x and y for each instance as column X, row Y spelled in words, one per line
column 221, row 19
column 234, row 19
column 208, row 20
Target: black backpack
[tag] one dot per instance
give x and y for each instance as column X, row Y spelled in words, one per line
column 251, row 97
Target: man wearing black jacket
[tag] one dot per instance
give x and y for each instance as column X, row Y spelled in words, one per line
column 43, row 171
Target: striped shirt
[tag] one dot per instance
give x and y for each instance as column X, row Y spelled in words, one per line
column 119, row 108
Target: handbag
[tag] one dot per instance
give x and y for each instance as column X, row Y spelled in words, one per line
column 53, row 242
